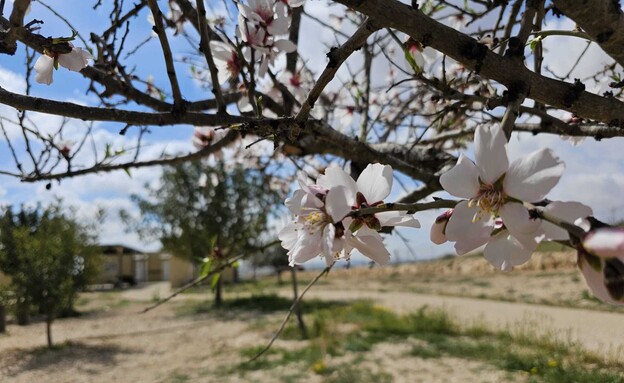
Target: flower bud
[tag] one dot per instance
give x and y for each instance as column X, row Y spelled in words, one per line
column 438, row 228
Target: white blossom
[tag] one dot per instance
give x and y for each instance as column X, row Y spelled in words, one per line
column 75, row 61
column 495, row 191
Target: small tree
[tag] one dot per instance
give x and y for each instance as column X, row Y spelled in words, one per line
column 49, row 257
column 202, row 210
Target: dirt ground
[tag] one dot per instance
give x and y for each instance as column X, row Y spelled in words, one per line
column 111, row 341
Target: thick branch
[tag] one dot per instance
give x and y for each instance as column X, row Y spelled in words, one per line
column 602, row 19
column 69, row 109
column 506, row 70
column 8, row 38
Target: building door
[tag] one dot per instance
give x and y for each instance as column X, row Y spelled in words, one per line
column 165, row 269
column 140, row 270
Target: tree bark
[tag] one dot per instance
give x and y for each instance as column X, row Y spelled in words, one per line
column 218, row 301
column 49, row 320
column 23, row 312
column 2, row 319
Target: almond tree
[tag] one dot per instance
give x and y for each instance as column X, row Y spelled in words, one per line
column 403, row 85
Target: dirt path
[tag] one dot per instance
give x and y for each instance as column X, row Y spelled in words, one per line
column 597, row 331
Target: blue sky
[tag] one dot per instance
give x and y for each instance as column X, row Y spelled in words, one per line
column 594, row 174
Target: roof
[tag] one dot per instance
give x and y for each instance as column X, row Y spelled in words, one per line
column 118, row 249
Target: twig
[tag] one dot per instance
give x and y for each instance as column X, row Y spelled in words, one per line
column 204, row 43
column 99, row 168
column 290, row 311
column 159, row 28
column 411, row 207
column 200, row 280
column 337, row 57
column 194, row 283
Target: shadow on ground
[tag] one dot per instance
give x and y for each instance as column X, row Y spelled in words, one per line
column 65, row 356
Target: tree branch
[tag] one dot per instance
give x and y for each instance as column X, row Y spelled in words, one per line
column 506, row 70
column 336, row 56
column 601, row 19
column 69, row 109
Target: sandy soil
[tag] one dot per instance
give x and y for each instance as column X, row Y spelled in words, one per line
column 112, row 342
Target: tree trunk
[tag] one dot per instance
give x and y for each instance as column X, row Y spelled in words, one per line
column 298, row 312
column 49, row 319
column 219, row 293
column 22, row 312
column 2, row 319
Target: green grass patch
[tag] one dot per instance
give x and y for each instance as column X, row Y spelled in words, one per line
column 264, row 303
column 356, row 328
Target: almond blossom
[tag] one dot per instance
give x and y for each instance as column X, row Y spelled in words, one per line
column 601, row 261
column 323, row 226
column 227, row 61
column 262, row 12
column 259, row 23
column 604, row 277
column 297, row 83
column 317, row 230
column 204, row 136
column 495, row 191
column 75, row 60
column 65, row 147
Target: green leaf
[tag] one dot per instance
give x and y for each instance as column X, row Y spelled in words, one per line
column 411, row 61
column 213, row 242
column 215, row 280
column 206, row 267
column 533, row 43
column 107, row 152
column 236, row 264
column 259, row 106
column 128, row 172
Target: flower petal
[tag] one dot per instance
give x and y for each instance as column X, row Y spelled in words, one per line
column 335, row 176
column 375, row 182
column 517, row 220
column 468, row 232
column 397, row 218
column 566, row 211
column 285, row 46
column 289, row 235
column 531, row 178
column 462, row 180
column 336, row 203
column 504, row 251
column 44, row 67
column 295, row 203
column 370, row 244
column 306, row 248
column 606, row 282
column 490, row 147
column 438, row 229
column 75, row 60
